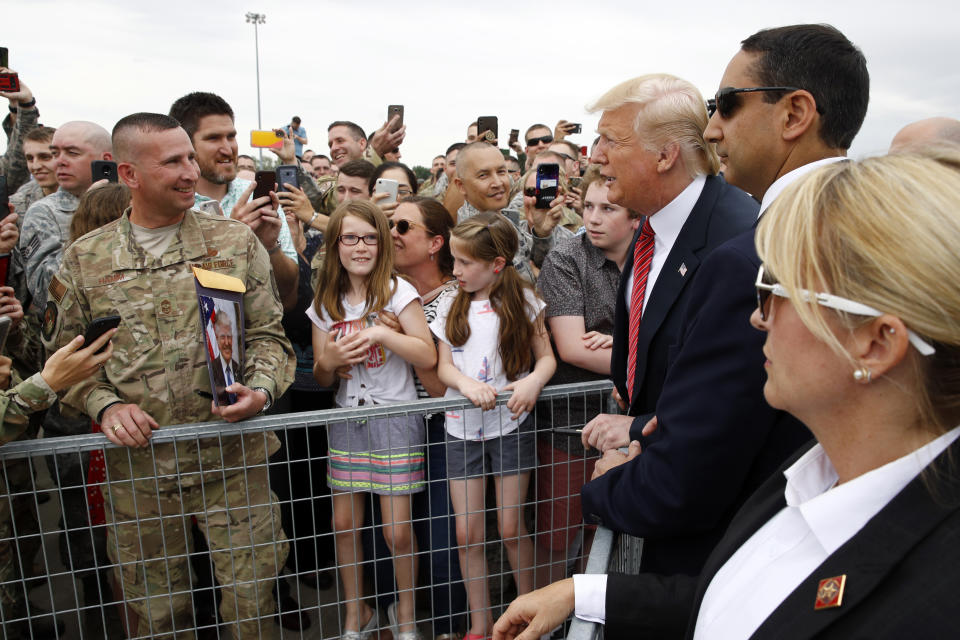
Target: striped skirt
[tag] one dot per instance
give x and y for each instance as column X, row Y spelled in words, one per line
column 385, row 456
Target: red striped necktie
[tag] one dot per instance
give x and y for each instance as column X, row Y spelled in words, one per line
column 642, row 257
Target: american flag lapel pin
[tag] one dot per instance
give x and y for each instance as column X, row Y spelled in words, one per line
column 682, row 269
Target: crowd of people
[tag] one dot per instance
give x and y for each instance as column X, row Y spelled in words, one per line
column 731, row 342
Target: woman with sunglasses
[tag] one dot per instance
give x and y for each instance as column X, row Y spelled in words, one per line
column 855, row 536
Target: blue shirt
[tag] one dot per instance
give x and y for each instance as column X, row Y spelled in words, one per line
column 234, row 190
column 297, row 145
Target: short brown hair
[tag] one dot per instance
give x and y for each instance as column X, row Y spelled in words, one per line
column 40, row 134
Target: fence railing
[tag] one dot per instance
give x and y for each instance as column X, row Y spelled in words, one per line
column 209, row 532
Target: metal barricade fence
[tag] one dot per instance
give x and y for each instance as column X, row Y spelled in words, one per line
column 204, row 532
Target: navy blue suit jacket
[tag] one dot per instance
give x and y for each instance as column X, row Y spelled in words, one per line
column 717, row 439
column 721, row 212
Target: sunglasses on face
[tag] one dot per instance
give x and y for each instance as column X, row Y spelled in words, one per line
column 728, row 100
column 351, row 239
column 532, row 142
column 402, row 226
column 768, row 286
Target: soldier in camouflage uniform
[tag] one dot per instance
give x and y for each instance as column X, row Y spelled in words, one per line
column 13, row 165
column 140, row 268
column 36, row 393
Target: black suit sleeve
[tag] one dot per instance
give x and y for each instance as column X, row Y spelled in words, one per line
column 712, row 415
column 648, row 606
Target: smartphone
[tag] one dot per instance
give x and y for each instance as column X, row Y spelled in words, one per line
column 4, row 57
column 9, row 82
column 574, row 127
column 575, row 181
column 4, row 331
column 265, row 140
column 287, row 174
column 548, row 177
column 104, row 169
column 385, row 185
column 487, row 123
column 584, row 151
column 99, row 327
column 395, row 110
column 514, row 137
column 266, row 182
column 4, row 198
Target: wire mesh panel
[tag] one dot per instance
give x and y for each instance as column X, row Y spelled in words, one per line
column 379, row 519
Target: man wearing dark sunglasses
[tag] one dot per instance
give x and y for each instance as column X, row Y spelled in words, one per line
column 538, row 137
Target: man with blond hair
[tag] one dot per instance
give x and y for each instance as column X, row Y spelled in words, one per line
column 657, row 163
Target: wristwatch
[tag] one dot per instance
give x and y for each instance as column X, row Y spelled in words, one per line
column 266, row 405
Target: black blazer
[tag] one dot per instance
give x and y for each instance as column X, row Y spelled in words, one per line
column 721, row 212
column 902, row 568
column 717, row 440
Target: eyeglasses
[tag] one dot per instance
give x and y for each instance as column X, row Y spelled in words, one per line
column 351, row 239
column 403, row 226
column 532, row 142
column 403, row 192
column 727, row 100
column 767, row 286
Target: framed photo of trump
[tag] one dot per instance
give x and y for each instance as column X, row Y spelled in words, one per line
column 222, row 324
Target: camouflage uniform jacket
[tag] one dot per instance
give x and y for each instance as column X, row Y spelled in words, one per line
column 531, row 247
column 322, row 192
column 14, row 164
column 19, row 402
column 25, row 196
column 45, row 231
column 159, row 358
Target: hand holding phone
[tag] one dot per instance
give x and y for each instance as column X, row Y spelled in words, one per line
column 548, row 179
column 99, row 327
column 266, row 182
column 485, row 124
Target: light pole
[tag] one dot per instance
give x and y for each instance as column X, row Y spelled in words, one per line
column 257, row 18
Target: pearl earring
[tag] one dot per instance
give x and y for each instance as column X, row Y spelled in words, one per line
column 891, row 330
column 863, row 374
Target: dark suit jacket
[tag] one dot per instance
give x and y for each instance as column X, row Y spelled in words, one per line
column 717, row 439
column 721, row 212
column 902, row 568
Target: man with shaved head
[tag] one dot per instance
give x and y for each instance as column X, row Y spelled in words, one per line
column 925, row 133
column 483, row 181
column 140, row 267
column 46, row 225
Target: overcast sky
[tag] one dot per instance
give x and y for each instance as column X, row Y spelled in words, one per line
column 446, row 62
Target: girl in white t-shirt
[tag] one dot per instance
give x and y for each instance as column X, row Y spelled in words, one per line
column 491, row 334
column 384, row 456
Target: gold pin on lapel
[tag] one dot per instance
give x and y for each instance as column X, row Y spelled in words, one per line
column 682, row 270
column 830, row 592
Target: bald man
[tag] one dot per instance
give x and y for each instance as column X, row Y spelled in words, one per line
column 923, row 133
column 46, row 225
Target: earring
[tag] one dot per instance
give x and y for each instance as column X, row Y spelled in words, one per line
column 497, row 270
column 891, row 330
column 863, row 374
column 432, row 257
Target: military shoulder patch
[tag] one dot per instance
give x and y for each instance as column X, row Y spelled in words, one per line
column 56, row 289
column 49, row 319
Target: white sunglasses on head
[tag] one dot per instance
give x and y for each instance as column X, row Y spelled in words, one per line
column 766, row 286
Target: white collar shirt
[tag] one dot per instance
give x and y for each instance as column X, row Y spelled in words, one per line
column 819, row 518
column 790, row 177
column 667, row 223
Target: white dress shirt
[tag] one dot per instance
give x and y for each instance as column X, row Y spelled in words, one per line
column 819, row 518
column 667, row 224
column 788, row 178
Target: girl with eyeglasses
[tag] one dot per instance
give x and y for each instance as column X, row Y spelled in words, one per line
column 492, row 339
column 382, row 456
